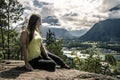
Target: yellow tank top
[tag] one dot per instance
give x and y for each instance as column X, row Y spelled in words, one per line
column 34, row 46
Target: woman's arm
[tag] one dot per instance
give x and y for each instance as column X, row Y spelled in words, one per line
column 23, row 38
column 44, row 51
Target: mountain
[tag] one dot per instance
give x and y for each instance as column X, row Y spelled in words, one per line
column 59, row 33
column 78, row 33
column 115, row 8
column 107, row 31
column 63, row 33
column 50, row 20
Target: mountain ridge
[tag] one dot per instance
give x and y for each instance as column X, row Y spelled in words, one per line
column 106, row 31
column 62, row 33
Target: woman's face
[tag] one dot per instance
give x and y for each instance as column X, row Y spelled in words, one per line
column 38, row 23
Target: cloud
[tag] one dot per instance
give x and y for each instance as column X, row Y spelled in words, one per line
column 73, row 14
column 107, row 4
column 47, row 11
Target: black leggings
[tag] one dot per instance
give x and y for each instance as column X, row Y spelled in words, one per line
column 44, row 63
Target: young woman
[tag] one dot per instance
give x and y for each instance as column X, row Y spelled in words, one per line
column 33, row 50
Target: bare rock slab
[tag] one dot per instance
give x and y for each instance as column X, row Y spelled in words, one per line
column 15, row 70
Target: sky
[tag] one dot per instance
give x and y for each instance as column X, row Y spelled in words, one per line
column 73, row 14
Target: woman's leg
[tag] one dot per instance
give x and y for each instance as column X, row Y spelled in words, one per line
column 39, row 63
column 58, row 60
column 46, row 64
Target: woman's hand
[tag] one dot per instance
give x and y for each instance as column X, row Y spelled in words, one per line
column 28, row 66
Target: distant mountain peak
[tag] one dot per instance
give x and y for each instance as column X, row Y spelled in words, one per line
column 63, row 33
column 50, row 20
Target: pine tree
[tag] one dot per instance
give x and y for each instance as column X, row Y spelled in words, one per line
column 12, row 10
column 53, row 45
column 3, row 25
column 109, row 58
column 50, row 37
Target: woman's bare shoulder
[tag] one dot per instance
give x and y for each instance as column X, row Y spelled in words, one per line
column 24, row 33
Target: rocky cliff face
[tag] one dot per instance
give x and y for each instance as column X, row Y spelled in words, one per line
column 13, row 70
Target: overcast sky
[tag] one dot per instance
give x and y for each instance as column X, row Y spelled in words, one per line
column 73, row 14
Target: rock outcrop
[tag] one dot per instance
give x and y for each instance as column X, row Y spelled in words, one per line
column 15, row 70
